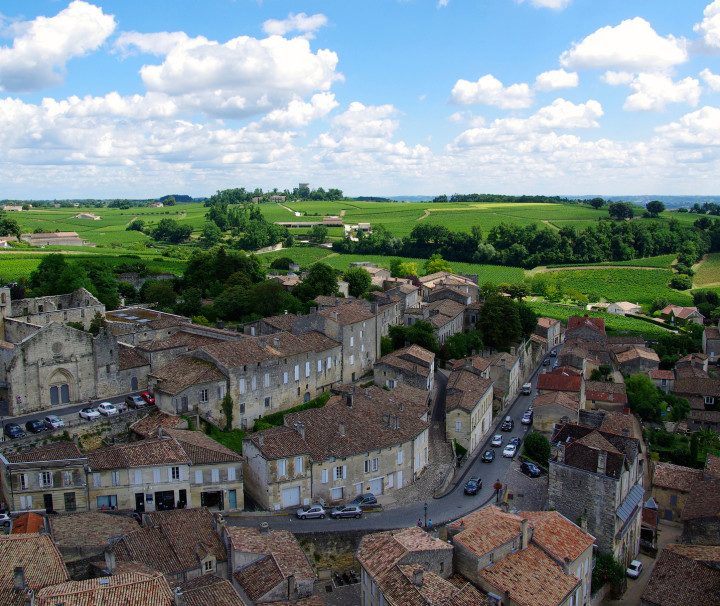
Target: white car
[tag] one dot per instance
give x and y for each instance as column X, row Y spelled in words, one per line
column 509, row 451
column 634, row 570
column 89, row 413
column 497, row 440
column 107, row 409
column 53, row 422
column 5, row 520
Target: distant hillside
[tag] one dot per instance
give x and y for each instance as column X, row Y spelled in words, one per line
column 669, row 201
column 179, row 198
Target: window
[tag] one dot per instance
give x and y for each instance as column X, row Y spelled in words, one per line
column 221, row 392
column 400, row 457
column 391, row 480
column 46, row 479
column 231, row 474
column 673, row 500
column 282, row 468
column 458, row 425
column 215, row 475
column 242, row 408
column 285, row 378
column 267, row 379
column 97, row 481
column 208, row 566
column 267, row 402
column 352, row 340
column 115, row 476
column 709, row 400
column 23, row 481
column 307, row 369
column 156, row 475
column 352, row 360
column 339, row 475
column 375, row 464
column 361, row 334
column 198, row 476
column 25, row 502
column 297, row 372
column 138, row 476
column 367, row 465
column 253, row 383
column 319, row 366
column 329, row 363
column 241, row 387
column 68, row 478
column 203, row 395
column 298, row 465
column 175, row 474
column 324, row 476
column 70, row 504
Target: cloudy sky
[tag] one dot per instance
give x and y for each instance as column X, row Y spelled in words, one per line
column 382, row 97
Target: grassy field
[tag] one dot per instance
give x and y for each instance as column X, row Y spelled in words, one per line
column 708, row 272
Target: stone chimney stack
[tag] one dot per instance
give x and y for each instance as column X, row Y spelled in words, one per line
column 19, row 576
column 342, row 429
column 178, row 597
column 349, row 400
column 264, row 528
column 110, row 561
column 261, row 439
column 301, row 430
column 418, row 577
column 602, row 461
column 525, row 534
column 561, row 452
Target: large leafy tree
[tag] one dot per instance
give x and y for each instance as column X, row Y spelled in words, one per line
column 643, row 397
column 499, row 322
column 44, row 279
column 169, row 230
column 436, row 263
column 654, row 208
column 320, row 280
column 537, row 448
column 358, row 279
column 9, row 226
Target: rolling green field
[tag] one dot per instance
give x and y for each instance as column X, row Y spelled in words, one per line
column 708, row 271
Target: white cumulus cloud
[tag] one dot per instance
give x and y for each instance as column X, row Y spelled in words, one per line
column 701, row 127
column 712, row 80
column 654, row 91
column 614, row 78
column 557, row 5
column 556, row 79
column 631, row 46
column 488, row 90
column 301, row 22
column 710, row 25
column 42, row 47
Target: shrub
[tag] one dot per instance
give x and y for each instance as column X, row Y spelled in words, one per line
column 537, row 448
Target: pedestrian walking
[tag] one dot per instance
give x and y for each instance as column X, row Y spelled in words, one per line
column 429, row 523
column 419, row 523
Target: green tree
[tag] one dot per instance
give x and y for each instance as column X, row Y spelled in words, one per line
column 358, row 279
column 319, row 233
column 136, row 225
column 98, row 322
column 643, row 397
column 435, row 264
column 694, row 447
column 596, row 203
column 169, row 230
column 227, row 407
column 537, row 448
column 160, row 292
column 191, row 303
column 231, row 303
column 462, row 344
column 73, row 277
column 127, row 291
column 499, row 322
column 320, row 280
column 44, row 279
column 607, row 570
column 211, row 234
column 9, row 226
column 654, row 208
column 281, row 263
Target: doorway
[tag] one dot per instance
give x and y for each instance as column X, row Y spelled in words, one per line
column 140, row 502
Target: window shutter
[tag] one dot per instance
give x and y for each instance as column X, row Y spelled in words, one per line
column 344, row 471
column 198, row 476
column 324, row 476
column 169, row 472
column 138, row 476
column 231, row 474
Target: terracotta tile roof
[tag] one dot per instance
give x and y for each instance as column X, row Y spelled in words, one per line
column 180, row 339
column 283, row 322
column 626, row 340
column 658, row 375
column 129, row 357
column 712, row 333
column 696, row 357
column 477, row 362
column 504, row 359
column 605, row 391
column 637, row 352
column 561, row 398
column 547, row 322
column 187, row 531
column 149, row 547
column 202, row 449
column 557, row 535
column 679, row 312
column 667, row 475
column 209, row 590
column 465, row 389
column 486, row 529
column 595, row 439
column 138, row 454
column 184, row 372
column 690, row 372
column 703, row 501
column 699, row 386
column 627, row 306
column 131, row 588
column 148, row 426
column 398, row 587
column 712, row 465
column 280, row 544
column 680, row 578
column 352, row 313
column 559, row 382
column 331, row 301
column 56, row 451
column 28, row 523
column 532, row 578
column 259, row 577
column 89, row 528
column 595, row 324
column 279, row 442
column 37, row 554
column 620, row 423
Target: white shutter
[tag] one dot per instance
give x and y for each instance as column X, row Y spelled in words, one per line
column 297, row 372
column 400, row 457
column 231, row 474
column 391, row 478
column 319, row 365
column 329, row 362
column 285, row 378
column 169, row 471
column 138, row 476
column 307, row 369
column 198, row 476
column 242, row 386
column 324, row 475
column 344, row 471
column 215, row 475
column 156, row 475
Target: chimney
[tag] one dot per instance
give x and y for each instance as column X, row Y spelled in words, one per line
column 418, row 577
column 261, row 439
column 292, row 588
column 19, row 574
column 626, row 412
column 342, row 429
column 110, row 561
column 525, row 532
column 313, row 310
column 262, row 343
column 400, row 406
column 468, row 362
column 76, row 440
column 264, row 528
column 219, row 521
column 367, row 392
column 602, row 461
column 415, row 368
column 349, row 400
column 561, row 452
column 301, row 430
column 178, row 598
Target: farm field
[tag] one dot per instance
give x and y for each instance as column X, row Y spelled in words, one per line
column 613, row 323
column 661, row 262
column 708, row 272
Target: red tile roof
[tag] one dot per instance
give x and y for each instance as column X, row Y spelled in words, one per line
column 557, row 535
column 465, row 389
column 148, row 426
column 658, row 375
column 676, row 477
column 57, row 451
column 184, row 372
column 486, row 529
column 28, row 523
column 89, row 528
column 202, row 449
column 703, row 501
column 134, row 588
column 604, row 391
column 559, row 382
column 209, row 590
column 595, row 324
column 163, row 451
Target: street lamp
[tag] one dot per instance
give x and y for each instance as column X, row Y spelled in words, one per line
column 497, row 486
column 425, row 515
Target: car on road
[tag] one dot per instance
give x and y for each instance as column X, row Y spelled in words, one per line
column 107, row 409
column 546, row 362
column 148, row 397
column 89, row 413
column 35, row 426
column 527, row 418
column 530, row 469
column 509, row 451
column 634, row 570
column 556, row 365
column 4, row 520
column 311, row 511
column 553, row 353
column 13, row 430
column 135, row 402
column 53, row 422
column 507, row 424
column 363, row 500
column 497, row 440
column 346, row 511
column 527, row 389
column 473, row 485
column 515, row 442
column 488, row 456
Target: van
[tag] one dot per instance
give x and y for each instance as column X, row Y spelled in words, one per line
column 527, row 389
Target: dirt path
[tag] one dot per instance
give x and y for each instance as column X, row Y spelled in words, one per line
column 550, row 225
column 130, row 221
column 342, row 212
column 290, row 210
column 425, row 216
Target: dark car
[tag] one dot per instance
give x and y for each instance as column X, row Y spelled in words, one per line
column 515, row 441
column 363, row 500
column 13, row 430
column 488, row 456
column 473, row 486
column 507, row 425
column 546, row 362
column 135, row 402
column 530, row 469
column 553, row 353
column 35, row 426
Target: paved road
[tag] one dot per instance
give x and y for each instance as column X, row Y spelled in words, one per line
column 441, row 510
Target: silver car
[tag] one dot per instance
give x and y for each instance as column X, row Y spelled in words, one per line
column 53, row 422
column 346, row 511
column 311, row 511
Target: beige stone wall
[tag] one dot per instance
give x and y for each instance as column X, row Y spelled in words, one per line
column 101, row 483
column 217, row 477
column 28, row 493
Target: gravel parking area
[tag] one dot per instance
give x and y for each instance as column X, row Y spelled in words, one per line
column 525, row 493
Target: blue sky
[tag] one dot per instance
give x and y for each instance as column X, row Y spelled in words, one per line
column 381, row 97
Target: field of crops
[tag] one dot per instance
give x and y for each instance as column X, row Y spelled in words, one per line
column 661, row 262
column 708, row 272
column 620, row 284
column 613, row 323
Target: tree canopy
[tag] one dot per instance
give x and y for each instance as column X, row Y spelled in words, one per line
column 358, row 279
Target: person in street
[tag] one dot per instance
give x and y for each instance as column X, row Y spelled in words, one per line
column 429, row 523
column 419, row 522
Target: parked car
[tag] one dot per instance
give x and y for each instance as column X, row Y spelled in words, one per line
column 13, row 430
column 346, row 511
column 509, row 451
column 530, row 469
column 311, row 511
column 53, row 422
column 527, row 389
column 362, row 500
column 35, row 426
column 135, row 402
column 148, row 397
column 527, row 418
column 5, row 520
column 515, row 442
column 634, row 570
column 473, row 486
column 107, row 409
column 89, row 413
column 507, row 424
column 546, row 362
column 497, row 440
column 556, row 365
column 488, row 456
column 553, row 353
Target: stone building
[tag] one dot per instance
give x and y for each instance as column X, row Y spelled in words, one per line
column 637, row 359
column 671, row 486
column 506, row 372
column 468, row 407
column 711, row 343
column 605, row 395
column 412, row 365
column 57, row 238
column 549, row 329
column 446, row 316
column 553, row 409
column 597, row 477
column 586, row 328
column 681, row 316
column 364, row 440
column 442, row 279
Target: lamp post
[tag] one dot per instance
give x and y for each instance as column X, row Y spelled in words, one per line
column 425, row 515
